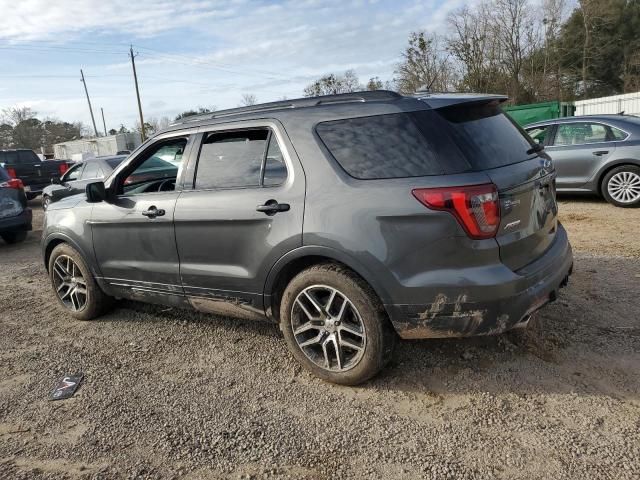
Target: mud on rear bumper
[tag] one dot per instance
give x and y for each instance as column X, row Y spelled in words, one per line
column 460, row 316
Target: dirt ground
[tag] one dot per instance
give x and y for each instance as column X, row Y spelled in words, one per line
column 176, row 394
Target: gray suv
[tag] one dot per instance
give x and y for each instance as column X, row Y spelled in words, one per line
column 347, row 219
column 594, row 154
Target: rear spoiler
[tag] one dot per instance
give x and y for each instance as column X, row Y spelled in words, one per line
column 441, row 100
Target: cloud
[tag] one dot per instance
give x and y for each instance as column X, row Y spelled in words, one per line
column 198, row 52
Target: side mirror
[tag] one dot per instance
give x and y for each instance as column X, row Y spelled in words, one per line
column 96, row 192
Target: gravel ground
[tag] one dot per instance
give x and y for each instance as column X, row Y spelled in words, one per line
column 176, row 394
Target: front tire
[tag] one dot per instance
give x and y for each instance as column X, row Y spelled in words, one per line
column 621, row 186
column 74, row 286
column 14, row 237
column 335, row 325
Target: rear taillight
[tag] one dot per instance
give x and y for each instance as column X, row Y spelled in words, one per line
column 476, row 207
column 11, row 172
column 13, row 183
column 63, row 167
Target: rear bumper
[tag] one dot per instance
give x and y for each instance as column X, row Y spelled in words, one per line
column 466, row 309
column 18, row 223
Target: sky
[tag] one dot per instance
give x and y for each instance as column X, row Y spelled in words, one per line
column 193, row 53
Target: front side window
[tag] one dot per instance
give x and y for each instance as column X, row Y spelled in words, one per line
column 73, row 173
column 240, row 159
column 580, row 133
column 159, row 168
column 539, row 134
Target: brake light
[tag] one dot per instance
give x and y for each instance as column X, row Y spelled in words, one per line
column 476, row 207
column 13, row 183
column 11, row 172
column 63, row 167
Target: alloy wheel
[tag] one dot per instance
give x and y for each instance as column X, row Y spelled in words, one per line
column 70, row 285
column 328, row 328
column 624, row 187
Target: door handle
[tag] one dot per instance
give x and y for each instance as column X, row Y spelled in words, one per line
column 599, row 153
column 271, row 207
column 153, row 212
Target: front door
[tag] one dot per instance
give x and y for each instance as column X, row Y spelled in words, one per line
column 133, row 234
column 579, row 148
column 244, row 210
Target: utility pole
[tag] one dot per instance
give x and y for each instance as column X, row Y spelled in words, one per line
column 135, row 79
column 104, row 124
column 93, row 120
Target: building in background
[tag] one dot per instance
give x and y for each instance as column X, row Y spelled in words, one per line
column 628, row 103
column 97, row 147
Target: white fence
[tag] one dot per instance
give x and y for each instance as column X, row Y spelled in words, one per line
column 628, row 103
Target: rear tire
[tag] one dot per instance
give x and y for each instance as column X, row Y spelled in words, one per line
column 351, row 339
column 74, row 286
column 621, row 186
column 14, row 237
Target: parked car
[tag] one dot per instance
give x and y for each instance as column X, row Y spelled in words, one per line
column 347, row 219
column 76, row 178
column 15, row 216
column 598, row 154
column 35, row 174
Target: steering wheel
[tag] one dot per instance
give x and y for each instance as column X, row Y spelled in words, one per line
column 166, row 184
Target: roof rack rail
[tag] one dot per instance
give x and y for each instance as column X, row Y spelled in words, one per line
column 368, row 96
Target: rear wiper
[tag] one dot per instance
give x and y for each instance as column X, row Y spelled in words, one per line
column 535, row 149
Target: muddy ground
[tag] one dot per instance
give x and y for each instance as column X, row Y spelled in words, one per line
column 175, row 394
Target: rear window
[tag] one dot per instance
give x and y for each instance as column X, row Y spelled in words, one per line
column 429, row 142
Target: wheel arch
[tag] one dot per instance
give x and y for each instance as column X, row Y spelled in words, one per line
column 55, row 239
column 301, row 258
column 610, row 166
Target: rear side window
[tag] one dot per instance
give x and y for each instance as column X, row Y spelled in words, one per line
column 539, row 134
column 429, row 142
column 11, row 158
column 27, row 156
column 392, row 146
column 92, row 170
column 240, row 159
column 618, row 134
column 114, row 162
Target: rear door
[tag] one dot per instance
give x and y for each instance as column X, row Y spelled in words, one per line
column 241, row 212
column 494, row 144
column 578, row 149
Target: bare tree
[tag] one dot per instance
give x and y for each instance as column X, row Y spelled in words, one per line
column 332, row 84
column 248, row 99
column 14, row 115
column 425, row 65
column 474, row 44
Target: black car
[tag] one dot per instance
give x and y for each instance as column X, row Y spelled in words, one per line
column 35, row 174
column 77, row 177
column 15, row 216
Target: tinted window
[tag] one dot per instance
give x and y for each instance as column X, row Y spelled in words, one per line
column 4, row 176
column 488, row 137
column 393, row 146
column 580, row 133
column 114, row 162
column 231, row 159
column 275, row 170
column 11, row 158
column 91, row 170
column 27, row 156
